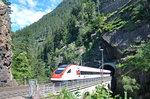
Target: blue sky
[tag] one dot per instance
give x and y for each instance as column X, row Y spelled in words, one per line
column 26, row 12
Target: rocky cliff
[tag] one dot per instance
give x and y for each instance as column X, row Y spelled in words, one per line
column 5, row 47
column 122, row 39
column 109, row 6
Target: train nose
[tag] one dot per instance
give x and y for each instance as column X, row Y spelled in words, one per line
column 56, row 76
column 53, row 76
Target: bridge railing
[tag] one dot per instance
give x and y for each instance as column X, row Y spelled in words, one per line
column 71, row 85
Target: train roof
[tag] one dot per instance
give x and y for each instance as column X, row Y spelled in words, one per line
column 64, row 66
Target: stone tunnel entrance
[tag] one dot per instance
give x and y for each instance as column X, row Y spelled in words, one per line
column 112, row 67
column 109, row 66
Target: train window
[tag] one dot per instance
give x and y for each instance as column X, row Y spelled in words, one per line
column 69, row 71
column 89, row 73
column 58, row 71
column 62, row 66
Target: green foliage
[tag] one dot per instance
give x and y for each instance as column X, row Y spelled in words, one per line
column 78, row 94
column 22, row 68
column 101, row 93
column 10, row 43
column 141, row 11
column 60, row 37
column 99, row 23
column 38, row 69
column 21, row 64
column 63, row 94
column 125, row 95
column 140, row 61
column 129, row 84
column 136, row 66
column 138, row 13
column 116, row 24
column 87, row 95
column 71, row 54
column 72, row 29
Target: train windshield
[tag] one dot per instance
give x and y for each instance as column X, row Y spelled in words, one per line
column 60, row 69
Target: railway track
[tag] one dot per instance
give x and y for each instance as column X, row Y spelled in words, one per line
column 23, row 90
column 8, row 92
column 2, row 89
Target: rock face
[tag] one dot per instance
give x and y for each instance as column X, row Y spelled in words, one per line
column 5, row 47
column 123, row 39
column 109, row 6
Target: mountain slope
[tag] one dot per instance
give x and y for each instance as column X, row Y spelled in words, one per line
column 31, row 45
column 50, row 21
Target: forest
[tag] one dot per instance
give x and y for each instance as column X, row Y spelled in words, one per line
column 65, row 36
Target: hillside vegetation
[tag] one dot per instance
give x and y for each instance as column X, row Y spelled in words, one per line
column 71, row 33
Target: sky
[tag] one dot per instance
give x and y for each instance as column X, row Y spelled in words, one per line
column 26, row 12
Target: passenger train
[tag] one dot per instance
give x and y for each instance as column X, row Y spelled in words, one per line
column 76, row 72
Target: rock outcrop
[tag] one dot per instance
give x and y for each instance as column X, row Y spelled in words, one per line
column 122, row 39
column 5, row 47
column 109, row 6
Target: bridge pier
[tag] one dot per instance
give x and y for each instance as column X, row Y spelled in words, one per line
column 92, row 89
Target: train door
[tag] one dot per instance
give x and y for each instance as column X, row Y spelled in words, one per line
column 70, row 74
column 78, row 72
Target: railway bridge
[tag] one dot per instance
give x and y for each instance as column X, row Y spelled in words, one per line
column 36, row 90
column 80, row 85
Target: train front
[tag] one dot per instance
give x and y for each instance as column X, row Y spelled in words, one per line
column 58, row 73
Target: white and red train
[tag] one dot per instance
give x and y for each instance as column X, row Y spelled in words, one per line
column 75, row 72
